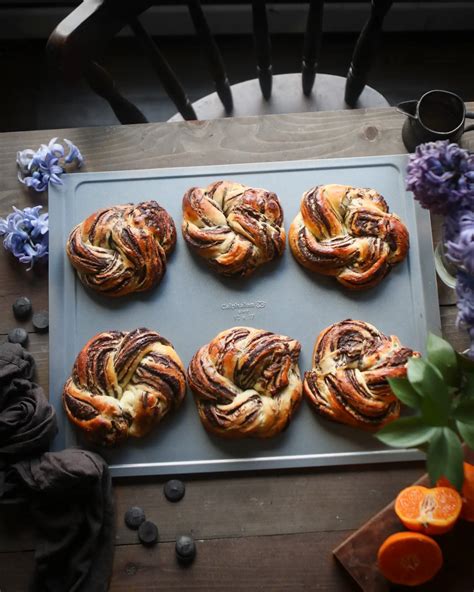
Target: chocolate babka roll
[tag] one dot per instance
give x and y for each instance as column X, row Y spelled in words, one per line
column 123, row 384
column 122, row 249
column 348, row 232
column 234, row 227
column 352, row 361
column 246, row 382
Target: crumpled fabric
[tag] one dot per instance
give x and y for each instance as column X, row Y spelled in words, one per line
column 72, row 506
column 69, row 492
column 27, row 420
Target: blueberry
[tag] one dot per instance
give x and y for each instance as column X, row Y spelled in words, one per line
column 18, row 335
column 174, row 490
column 41, row 321
column 185, row 549
column 22, row 308
column 148, row 533
column 134, row 516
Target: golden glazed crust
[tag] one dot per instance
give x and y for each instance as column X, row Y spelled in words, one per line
column 234, row 227
column 122, row 249
column 246, row 382
column 348, row 232
column 123, row 384
column 348, row 383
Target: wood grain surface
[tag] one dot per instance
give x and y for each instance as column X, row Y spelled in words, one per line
column 268, row 531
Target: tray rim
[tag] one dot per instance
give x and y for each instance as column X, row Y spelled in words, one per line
column 432, row 319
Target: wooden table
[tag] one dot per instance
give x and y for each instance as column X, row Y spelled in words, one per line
column 272, row 531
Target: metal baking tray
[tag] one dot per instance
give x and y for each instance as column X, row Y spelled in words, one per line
column 192, row 304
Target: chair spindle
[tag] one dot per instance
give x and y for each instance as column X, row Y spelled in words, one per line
column 101, row 83
column 213, row 55
column 312, row 45
column 365, row 50
column 262, row 47
column 164, row 71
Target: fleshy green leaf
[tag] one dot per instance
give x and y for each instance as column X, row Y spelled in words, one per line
column 442, row 355
column 405, row 392
column 464, row 411
column 467, row 432
column 445, row 458
column 406, row 432
column 429, row 384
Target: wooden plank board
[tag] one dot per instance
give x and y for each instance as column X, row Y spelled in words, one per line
column 296, row 563
column 235, row 506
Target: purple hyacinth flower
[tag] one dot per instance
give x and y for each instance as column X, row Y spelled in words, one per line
column 74, row 154
column 46, row 163
column 36, row 182
column 441, row 176
column 26, row 234
column 54, row 148
column 23, row 159
column 465, row 294
column 38, row 169
column 460, row 235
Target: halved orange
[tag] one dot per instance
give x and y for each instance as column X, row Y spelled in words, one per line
column 467, row 493
column 409, row 558
column 431, row 511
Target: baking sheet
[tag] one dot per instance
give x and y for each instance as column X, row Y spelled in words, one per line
column 192, row 304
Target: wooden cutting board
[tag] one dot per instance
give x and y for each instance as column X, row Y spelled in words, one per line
column 358, row 554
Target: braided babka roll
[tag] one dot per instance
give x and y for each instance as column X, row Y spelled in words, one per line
column 234, row 227
column 122, row 249
column 348, row 383
column 348, row 232
column 123, row 384
column 247, row 382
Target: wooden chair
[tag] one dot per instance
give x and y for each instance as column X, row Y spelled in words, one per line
column 76, row 44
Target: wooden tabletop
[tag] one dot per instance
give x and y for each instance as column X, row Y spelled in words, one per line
column 270, row 531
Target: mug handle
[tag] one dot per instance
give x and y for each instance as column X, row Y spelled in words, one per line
column 469, row 115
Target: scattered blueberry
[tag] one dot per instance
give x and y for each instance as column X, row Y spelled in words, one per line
column 22, row 308
column 185, row 549
column 148, row 533
column 134, row 516
column 174, row 490
column 18, row 335
column 41, row 321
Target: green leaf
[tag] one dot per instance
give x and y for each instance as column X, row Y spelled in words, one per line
column 428, row 383
column 406, row 432
column 445, row 458
column 467, row 432
column 467, row 388
column 443, row 357
column 405, row 392
column 464, row 411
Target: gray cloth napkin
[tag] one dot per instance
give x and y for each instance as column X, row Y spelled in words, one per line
column 27, row 420
column 69, row 492
column 72, row 506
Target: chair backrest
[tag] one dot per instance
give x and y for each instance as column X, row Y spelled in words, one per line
column 78, row 40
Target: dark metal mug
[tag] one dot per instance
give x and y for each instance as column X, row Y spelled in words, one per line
column 438, row 115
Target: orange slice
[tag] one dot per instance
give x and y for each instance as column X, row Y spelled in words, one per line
column 467, row 492
column 409, row 558
column 431, row 511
